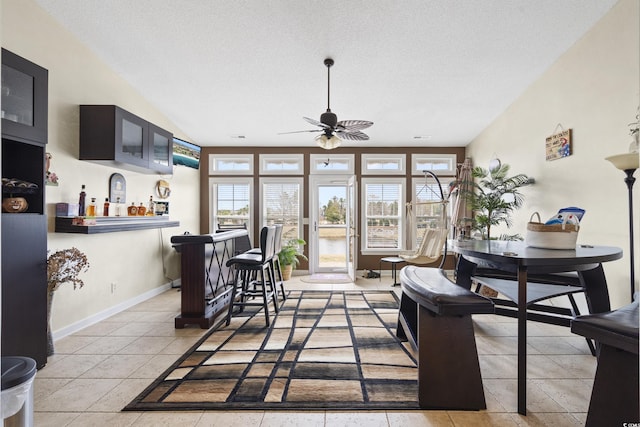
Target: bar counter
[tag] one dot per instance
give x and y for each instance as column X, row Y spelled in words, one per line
column 206, row 281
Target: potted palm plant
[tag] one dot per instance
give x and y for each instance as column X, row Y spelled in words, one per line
column 493, row 198
column 290, row 255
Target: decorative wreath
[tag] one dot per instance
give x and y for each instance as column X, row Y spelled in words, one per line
column 163, row 189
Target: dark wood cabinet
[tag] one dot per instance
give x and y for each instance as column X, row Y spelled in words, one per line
column 24, row 99
column 24, row 235
column 23, row 161
column 110, row 134
column 24, row 286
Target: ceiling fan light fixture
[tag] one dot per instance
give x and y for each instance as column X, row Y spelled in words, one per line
column 328, row 142
column 330, row 126
column 329, row 118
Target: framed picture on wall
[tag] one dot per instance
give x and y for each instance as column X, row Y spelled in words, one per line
column 558, row 145
column 117, row 188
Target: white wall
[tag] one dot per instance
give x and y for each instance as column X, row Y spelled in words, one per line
column 594, row 89
column 132, row 260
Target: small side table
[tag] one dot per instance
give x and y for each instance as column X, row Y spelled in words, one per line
column 394, row 260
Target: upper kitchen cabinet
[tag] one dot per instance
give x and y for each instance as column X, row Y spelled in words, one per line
column 24, row 99
column 110, row 134
column 161, row 148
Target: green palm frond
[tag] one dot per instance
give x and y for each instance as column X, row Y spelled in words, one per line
column 493, row 196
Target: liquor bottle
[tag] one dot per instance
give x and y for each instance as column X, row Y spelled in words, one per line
column 92, row 208
column 118, row 207
column 83, row 195
column 141, row 210
column 132, row 210
column 105, row 207
column 151, row 209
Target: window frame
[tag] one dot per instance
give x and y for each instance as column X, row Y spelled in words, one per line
column 365, row 181
column 244, row 158
column 213, row 192
column 317, row 159
column 417, row 181
column 283, row 180
column 450, row 171
column 298, row 159
column 401, row 158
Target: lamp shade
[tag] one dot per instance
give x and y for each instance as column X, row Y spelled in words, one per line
column 328, row 143
column 624, row 161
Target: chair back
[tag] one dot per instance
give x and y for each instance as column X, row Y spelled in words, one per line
column 267, row 242
column 278, row 237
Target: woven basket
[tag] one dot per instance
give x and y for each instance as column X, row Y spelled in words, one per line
column 553, row 236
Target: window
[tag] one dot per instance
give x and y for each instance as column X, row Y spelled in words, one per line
column 332, row 164
column 383, row 164
column 424, row 214
column 231, row 164
column 281, row 164
column 440, row 164
column 383, row 225
column 230, row 202
column 281, row 204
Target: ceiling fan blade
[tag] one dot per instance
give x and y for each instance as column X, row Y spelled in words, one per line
column 352, row 135
column 353, row 124
column 316, row 123
column 300, row 131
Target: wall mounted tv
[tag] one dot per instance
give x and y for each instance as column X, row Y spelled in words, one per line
column 186, row 153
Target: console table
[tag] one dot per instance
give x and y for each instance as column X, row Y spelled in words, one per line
column 206, row 282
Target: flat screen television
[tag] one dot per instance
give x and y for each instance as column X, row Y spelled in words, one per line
column 186, row 153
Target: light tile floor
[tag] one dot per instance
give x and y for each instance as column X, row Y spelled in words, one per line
column 97, row 371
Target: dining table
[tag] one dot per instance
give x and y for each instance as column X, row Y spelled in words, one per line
column 517, row 258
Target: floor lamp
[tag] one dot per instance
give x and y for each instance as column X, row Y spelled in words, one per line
column 628, row 163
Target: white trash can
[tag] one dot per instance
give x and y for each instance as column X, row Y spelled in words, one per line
column 18, row 374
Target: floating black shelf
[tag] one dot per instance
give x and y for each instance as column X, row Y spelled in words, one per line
column 113, row 224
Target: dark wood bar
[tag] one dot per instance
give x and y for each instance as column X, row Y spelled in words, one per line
column 206, row 280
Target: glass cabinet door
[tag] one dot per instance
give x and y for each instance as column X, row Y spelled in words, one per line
column 131, row 145
column 24, row 98
column 17, row 96
column 132, row 139
column 161, row 149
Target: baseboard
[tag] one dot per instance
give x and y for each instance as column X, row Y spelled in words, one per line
column 86, row 322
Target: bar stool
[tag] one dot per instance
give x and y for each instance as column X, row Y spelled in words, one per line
column 245, row 290
column 275, row 261
column 615, row 395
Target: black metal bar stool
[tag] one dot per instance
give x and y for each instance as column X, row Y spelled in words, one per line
column 245, row 290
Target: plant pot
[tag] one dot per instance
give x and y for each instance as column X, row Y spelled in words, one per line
column 286, row 271
column 14, row 204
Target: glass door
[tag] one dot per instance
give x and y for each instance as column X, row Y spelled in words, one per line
column 352, row 237
column 329, row 237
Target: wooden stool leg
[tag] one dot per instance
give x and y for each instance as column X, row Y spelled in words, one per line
column 280, row 279
column 448, row 368
column 273, row 286
column 236, row 275
column 265, row 298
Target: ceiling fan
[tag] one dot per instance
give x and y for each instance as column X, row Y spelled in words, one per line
column 333, row 131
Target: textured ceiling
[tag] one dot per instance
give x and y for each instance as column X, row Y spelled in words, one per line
column 442, row 69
